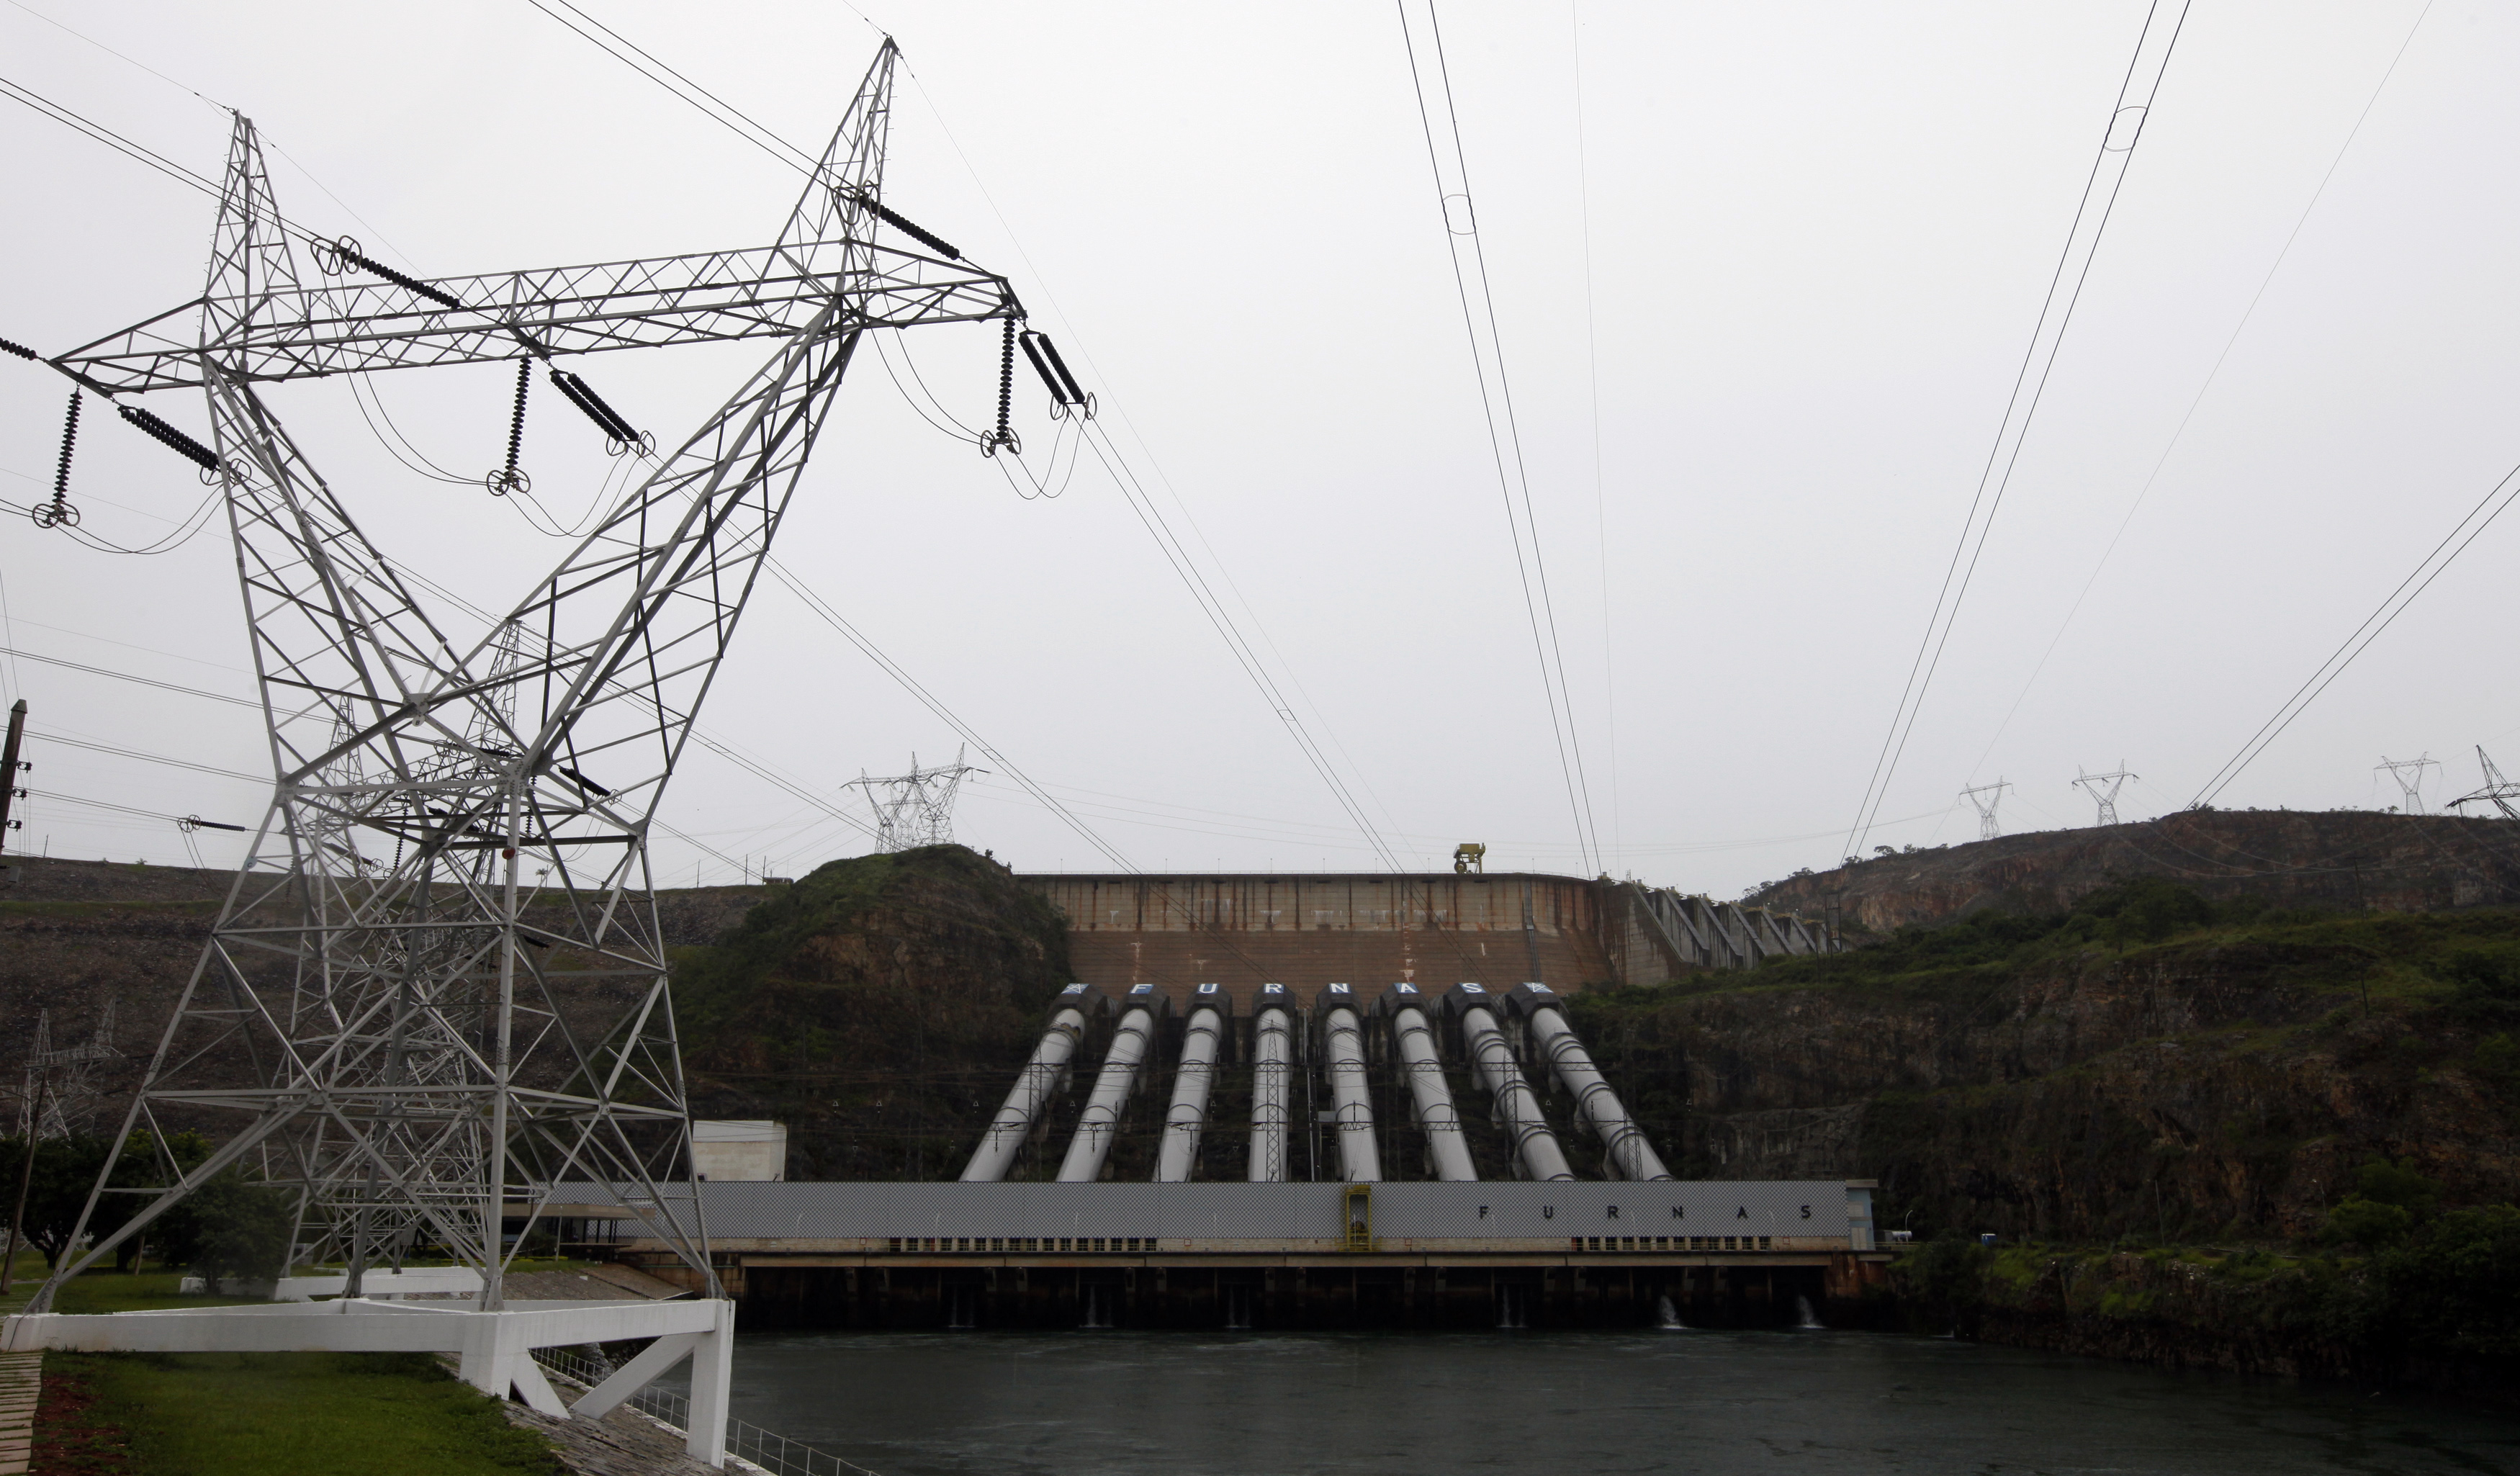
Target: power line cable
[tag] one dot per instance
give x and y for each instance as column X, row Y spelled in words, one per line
column 218, row 107
column 1196, row 581
column 1593, row 393
column 1505, row 441
column 1117, row 407
column 717, row 108
column 2029, row 387
column 149, row 758
column 2204, row 389
column 1110, row 453
column 2379, row 620
column 910, row 683
column 123, row 675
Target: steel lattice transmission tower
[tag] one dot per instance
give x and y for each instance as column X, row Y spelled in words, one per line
column 914, row 809
column 62, row 1079
column 430, row 1034
column 2412, row 788
column 2498, row 791
column 1986, row 797
column 2103, row 789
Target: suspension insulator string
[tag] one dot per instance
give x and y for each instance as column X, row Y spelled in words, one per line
column 927, row 238
column 583, row 396
column 59, row 512
column 348, row 250
column 171, row 438
column 1004, row 437
column 508, row 478
column 1066, row 394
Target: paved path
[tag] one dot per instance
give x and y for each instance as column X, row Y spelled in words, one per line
column 19, row 1381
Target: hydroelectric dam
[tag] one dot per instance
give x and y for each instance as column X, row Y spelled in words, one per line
column 1265, row 1146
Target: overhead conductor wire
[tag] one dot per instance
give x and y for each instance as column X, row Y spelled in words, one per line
column 2443, row 554
column 1592, row 390
column 2211, row 374
column 1505, row 436
column 1147, row 454
column 2161, row 27
column 736, row 120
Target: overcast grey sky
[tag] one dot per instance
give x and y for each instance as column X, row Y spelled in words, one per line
column 1800, row 249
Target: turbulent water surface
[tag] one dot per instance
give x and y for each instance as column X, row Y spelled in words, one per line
column 1713, row 1403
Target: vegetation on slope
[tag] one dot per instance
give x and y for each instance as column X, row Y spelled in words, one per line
column 2150, row 1063
column 878, row 1006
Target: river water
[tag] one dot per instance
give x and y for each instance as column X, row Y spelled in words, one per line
column 1713, row 1404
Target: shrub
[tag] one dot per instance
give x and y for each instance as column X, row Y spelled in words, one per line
column 2497, row 1062
column 2144, row 909
column 2397, row 1184
column 2367, row 1223
column 239, row 1230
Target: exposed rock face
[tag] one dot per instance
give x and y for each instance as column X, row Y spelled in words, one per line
column 879, row 1008
column 2183, row 1088
column 2334, row 859
column 76, row 935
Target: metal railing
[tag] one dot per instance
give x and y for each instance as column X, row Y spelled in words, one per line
column 771, row 1452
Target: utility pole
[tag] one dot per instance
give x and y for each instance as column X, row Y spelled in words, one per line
column 2412, row 788
column 2090, row 784
column 9, row 767
column 1987, row 828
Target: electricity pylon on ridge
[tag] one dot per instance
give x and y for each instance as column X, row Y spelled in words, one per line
column 2412, row 788
column 914, row 809
column 435, row 1037
column 1987, row 828
column 62, row 1078
column 2498, row 791
column 2106, row 798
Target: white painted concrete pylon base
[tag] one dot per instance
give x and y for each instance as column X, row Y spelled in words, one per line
column 495, row 1347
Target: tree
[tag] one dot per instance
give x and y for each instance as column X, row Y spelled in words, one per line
column 65, row 1169
column 237, row 1229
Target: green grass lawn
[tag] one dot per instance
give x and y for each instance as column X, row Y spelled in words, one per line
column 107, row 1291
column 299, row 1414
column 279, row 1414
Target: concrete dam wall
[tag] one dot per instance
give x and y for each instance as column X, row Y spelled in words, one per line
column 1306, row 930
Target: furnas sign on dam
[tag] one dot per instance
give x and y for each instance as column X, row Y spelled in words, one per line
column 1427, row 1150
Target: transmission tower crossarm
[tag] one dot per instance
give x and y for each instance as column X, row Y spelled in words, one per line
column 356, row 327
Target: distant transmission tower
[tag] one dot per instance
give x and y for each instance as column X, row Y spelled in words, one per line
column 2398, row 770
column 63, row 1078
column 1987, row 828
column 2497, row 792
column 914, row 809
column 2104, row 789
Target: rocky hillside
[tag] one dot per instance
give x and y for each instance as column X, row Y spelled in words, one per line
column 2344, row 858
column 2152, row 1064
column 79, row 936
column 878, row 1007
